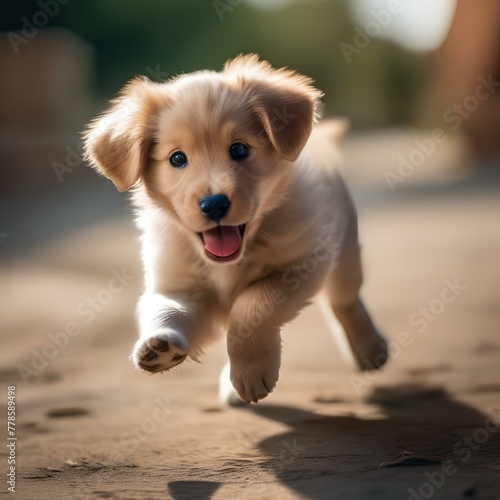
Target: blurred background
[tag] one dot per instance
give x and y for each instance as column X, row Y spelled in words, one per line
column 393, row 72
column 418, row 81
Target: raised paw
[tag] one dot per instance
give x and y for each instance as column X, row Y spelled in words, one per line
column 253, row 380
column 162, row 351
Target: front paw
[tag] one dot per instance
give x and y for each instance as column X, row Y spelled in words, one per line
column 161, row 351
column 254, row 380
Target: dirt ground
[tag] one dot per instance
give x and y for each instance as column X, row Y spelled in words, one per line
column 90, row 426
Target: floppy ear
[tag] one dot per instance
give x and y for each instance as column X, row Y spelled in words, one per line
column 287, row 103
column 288, row 114
column 117, row 143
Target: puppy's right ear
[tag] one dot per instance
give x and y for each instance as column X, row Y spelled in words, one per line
column 117, row 143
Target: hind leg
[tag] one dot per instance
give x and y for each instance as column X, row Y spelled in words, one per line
column 346, row 312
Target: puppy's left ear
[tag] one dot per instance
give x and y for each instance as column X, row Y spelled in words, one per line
column 117, row 144
column 288, row 106
column 288, row 114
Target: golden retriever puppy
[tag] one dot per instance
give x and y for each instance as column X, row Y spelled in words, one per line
column 243, row 214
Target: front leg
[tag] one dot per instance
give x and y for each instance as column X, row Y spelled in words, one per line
column 169, row 331
column 255, row 364
column 254, row 340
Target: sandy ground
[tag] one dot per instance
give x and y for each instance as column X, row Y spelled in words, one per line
column 89, row 426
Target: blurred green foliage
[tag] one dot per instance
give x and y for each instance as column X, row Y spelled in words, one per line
column 166, row 37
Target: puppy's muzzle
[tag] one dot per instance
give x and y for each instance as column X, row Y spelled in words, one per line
column 222, row 243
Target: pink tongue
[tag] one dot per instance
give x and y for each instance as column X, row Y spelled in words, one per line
column 222, row 241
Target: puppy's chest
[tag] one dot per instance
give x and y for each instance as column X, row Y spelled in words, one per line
column 230, row 281
column 263, row 259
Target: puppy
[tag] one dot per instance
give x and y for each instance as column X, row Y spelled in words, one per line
column 243, row 214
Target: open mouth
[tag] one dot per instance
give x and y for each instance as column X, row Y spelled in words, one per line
column 223, row 243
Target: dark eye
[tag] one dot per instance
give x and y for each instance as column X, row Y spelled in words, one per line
column 178, row 159
column 238, row 151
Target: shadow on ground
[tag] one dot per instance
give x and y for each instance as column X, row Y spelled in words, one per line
column 325, row 457
column 186, row 490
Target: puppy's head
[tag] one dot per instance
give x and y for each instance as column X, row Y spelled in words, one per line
column 210, row 149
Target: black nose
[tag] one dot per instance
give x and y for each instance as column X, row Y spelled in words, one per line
column 214, row 207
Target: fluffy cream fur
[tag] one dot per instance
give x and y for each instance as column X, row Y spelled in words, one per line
column 300, row 227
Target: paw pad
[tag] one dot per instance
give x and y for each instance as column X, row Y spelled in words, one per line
column 158, row 345
column 160, row 353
